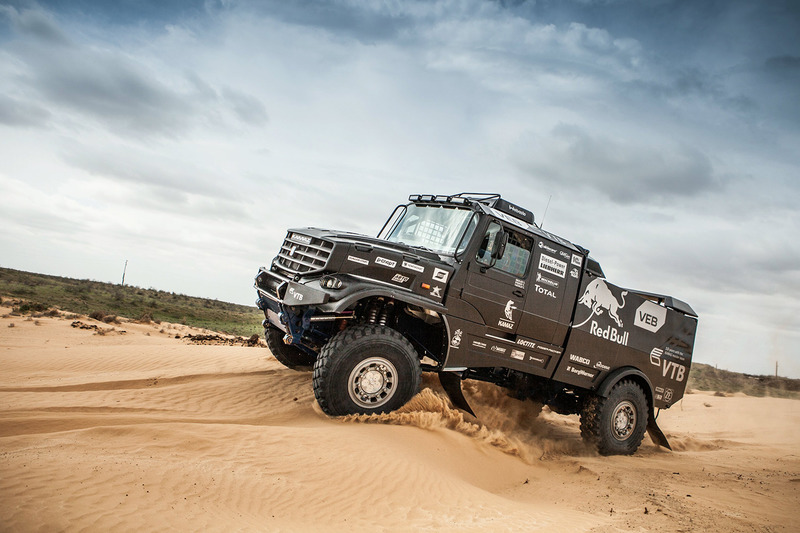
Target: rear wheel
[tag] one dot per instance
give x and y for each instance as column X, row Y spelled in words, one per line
column 289, row 356
column 365, row 370
column 616, row 424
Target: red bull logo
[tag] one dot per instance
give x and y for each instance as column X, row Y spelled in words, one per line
column 598, row 297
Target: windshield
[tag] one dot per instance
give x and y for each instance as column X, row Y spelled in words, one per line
column 436, row 228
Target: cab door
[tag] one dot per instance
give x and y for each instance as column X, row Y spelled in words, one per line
column 497, row 288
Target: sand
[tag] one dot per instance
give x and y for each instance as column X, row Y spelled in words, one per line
column 142, row 431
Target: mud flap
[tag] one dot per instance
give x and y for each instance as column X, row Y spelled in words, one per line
column 451, row 383
column 655, row 433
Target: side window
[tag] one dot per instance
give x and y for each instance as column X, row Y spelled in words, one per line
column 517, row 253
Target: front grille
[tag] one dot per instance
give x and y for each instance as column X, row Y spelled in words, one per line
column 304, row 257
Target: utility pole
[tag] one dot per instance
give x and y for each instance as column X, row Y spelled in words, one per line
column 776, row 369
column 125, row 268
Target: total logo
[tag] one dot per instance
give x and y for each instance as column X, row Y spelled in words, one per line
column 546, row 292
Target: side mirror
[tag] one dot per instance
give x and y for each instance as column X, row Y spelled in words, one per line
column 499, row 248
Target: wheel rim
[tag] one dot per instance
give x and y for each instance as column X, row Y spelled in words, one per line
column 372, row 382
column 623, row 420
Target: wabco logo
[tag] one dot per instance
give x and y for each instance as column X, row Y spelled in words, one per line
column 597, row 297
column 579, row 359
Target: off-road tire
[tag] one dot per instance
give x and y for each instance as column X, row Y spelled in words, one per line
column 366, row 370
column 616, row 424
column 287, row 355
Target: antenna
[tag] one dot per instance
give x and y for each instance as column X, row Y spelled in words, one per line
column 541, row 224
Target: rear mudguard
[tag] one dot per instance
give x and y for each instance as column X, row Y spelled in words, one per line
column 451, row 383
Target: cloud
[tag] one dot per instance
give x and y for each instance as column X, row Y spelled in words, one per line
column 127, row 94
column 620, row 170
column 38, row 24
column 14, row 112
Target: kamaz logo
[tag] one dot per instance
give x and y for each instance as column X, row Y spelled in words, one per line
column 300, row 238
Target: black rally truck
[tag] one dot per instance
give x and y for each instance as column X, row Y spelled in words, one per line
column 468, row 286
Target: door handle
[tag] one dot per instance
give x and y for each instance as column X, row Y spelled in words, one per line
column 518, row 293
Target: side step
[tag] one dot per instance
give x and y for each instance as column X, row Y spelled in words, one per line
column 451, row 383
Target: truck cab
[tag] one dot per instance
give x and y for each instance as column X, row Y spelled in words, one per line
column 468, row 286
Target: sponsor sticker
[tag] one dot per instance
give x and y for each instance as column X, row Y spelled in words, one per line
column 505, row 324
column 550, row 249
column 600, row 366
column 399, row 278
column 574, row 273
column 479, row 344
column 519, row 283
column 498, row 349
column 385, row 262
column 526, row 343
column 546, row 281
column 455, row 342
column 413, row 266
column 440, row 275
column 609, row 333
column 546, row 292
column 578, row 359
column 518, row 354
column 436, row 292
column 655, row 356
column 552, row 265
column 668, row 395
column 650, row 316
column 537, row 359
column 358, row 260
column 577, row 260
column 580, row 372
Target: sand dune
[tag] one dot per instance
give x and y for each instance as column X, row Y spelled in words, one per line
column 143, row 431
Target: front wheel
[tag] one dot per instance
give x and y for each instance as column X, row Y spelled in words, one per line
column 366, row 370
column 616, row 424
column 289, row 356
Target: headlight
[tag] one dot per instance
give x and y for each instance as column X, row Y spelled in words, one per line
column 330, row 282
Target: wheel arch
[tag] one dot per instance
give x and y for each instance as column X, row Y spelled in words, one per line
column 632, row 374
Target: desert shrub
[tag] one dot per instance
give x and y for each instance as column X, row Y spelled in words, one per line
column 97, row 315
column 111, row 319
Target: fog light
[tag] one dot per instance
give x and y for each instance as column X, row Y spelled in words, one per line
column 329, row 282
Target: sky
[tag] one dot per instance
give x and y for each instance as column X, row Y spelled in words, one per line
column 186, row 137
